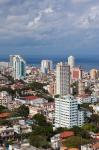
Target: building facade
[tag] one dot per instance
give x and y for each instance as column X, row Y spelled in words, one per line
column 19, row 67
column 46, row 66
column 67, row 113
column 62, row 79
column 71, row 61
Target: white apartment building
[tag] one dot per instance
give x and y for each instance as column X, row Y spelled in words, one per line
column 62, row 79
column 67, row 113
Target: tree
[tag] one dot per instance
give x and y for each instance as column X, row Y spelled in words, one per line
column 39, row 119
column 38, row 141
column 89, row 127
column 95, row 119
column 80, row 132
column 3, row 109
column 43, row 130
column 23, row 111
column 5, row 122
column 57, row 96
column 50, row 99
column 75, row 142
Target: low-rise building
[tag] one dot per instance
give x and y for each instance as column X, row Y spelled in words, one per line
column 31, row 100
column 86, row 99
column 6, row 132
column 5, row 98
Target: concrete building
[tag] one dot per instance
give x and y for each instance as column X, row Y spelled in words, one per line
column 46, row 66
column 71, row 61
column 5, row 98
column 81, row 88
column 62, row 79
column 52, row 88
column 6, row 133
column 18, row 66
column 67, row 113
column 86, row 99
column 31, row 100
column 76, row 73
column 93, row 74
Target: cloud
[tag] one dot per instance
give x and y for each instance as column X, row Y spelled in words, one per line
column 37, row 19
column 43, row 20
column 48, row 10
column 80, row 1
column 2, row 2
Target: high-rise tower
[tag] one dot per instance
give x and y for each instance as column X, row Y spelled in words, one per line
column 71, row 61
column 19, row 66
column 62, row 79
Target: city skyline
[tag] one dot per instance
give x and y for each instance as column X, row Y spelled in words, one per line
column 49, row 27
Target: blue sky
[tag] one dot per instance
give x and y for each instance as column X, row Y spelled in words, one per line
column 49, row 27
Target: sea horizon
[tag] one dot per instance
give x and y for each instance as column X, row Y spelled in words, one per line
column 86, row 62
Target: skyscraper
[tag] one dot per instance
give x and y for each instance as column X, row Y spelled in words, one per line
column 62, row 79
column 46, row 66
column 19, row 66
column 71, row 61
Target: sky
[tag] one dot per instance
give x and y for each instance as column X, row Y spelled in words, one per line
column 49, row 27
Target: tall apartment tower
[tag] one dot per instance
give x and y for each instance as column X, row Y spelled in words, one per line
column 67, row 113
column 46, row 66
column 71, row 61
column 62, row 79
column 19, row 67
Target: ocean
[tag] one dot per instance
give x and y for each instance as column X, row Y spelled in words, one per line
column 87, row 63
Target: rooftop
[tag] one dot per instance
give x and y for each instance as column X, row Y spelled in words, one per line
column 4, row 115
column 30, row 97
column 66, row 134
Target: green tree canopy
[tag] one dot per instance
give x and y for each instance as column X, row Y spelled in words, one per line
column 38, row 141
column 23, row 111
column 89, row 127
column 39, row 119
column 75, row 142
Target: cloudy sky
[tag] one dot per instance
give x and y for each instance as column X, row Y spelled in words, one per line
column 49, row 27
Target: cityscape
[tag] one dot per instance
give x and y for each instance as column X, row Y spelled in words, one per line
column 49, row 74
column 47, row 107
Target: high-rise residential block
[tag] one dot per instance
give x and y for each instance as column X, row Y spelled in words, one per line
column 18, row 65
column 67, row 113
column 71, row 61
column 46, row 66
column 62, row 79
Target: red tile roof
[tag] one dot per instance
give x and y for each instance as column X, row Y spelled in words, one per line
column 30, row 97
column 66, row 134
column 4, row 115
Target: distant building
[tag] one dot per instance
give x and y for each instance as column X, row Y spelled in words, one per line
column 81, row 88
column 76, row 73
column 93, row 74
column 71, row 61
column 19, row 66
column 62, row 79
column 52, row 88
column 46, row 66
column 67, row 113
